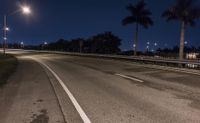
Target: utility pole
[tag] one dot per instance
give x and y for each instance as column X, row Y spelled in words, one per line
column 26, row 10
column 5, row 34
column 80, row 45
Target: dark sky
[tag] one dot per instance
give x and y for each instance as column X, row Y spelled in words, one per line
column 54, row 19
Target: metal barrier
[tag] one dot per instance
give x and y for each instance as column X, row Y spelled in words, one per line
column 142, row 59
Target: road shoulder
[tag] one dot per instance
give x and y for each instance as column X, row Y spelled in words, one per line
column 29, row 97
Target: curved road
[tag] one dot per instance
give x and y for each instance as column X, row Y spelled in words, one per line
column 109, row 91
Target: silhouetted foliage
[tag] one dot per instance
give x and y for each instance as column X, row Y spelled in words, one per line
column 140, row 15
column 105, row 43
column 186, row 12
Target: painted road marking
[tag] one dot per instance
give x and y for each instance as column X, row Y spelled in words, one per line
column 74, row 101
column 128, row 77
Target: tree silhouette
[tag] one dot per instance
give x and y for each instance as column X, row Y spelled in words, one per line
column 140, row 15
column 105, row 43
column 186, row 12
column 76, row 45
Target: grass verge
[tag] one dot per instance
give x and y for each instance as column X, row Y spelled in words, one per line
column 8, row 64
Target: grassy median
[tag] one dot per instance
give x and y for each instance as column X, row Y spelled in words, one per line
column 8, row 64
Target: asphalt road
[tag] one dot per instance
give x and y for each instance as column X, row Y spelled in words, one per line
column 109, row 91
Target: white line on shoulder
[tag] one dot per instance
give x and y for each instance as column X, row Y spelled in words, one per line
column 72, row 98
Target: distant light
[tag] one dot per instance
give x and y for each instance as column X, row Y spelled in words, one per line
column 134, row 45
column 26, row 9
column 155, row 44
column 5, row 38
column 45, row 43
column 186, row 42
column 7, row 29
column 192, row 55
column 148, row 43
column 22, row 43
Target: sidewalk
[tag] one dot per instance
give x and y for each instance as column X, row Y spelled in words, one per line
column 29, row 97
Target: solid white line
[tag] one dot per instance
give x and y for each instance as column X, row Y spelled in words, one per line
column 75, row 103
column 127, row 77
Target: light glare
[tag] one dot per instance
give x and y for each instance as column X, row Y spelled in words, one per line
column 26, row 9
column 7, row 29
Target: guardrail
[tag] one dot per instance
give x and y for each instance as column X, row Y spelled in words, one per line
column 142, row 59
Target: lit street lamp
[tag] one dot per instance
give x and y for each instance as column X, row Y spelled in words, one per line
column 22, row 44
column 7, row 29
column 185, row 42
column 45, row 43
column 25, row 10
column 148, row 46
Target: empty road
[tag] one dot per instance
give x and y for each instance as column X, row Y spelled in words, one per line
column 76, row 89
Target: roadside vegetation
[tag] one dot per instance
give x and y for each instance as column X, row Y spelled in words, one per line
column 8, row 64
column 103, row 43
column 186, row 12
column 140, row 15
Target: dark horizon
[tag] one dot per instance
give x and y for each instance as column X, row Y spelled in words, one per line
column 53, row 20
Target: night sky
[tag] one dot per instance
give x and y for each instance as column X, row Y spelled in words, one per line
column 55, row 19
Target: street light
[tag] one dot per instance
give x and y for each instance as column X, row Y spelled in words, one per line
column 147, row 47
column 7, row 29
column 22, row 44
column 45, row 43
column 185, row 42
column 25, row 10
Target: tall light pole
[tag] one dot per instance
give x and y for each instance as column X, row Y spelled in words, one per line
column 147, row 46
column 25, row 10
column 5, row 29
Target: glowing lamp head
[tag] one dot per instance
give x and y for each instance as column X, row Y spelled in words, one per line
column 26, row 10
column 7, row 29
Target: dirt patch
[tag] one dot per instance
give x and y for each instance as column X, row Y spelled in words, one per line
column 41, row 118
column 39, row 100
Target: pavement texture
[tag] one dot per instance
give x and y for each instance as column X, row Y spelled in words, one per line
column 105, row 97
column 29, row 97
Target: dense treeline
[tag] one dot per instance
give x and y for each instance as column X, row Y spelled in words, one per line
column 104, row 43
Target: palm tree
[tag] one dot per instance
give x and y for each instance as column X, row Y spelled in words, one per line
column 186, row 12
column 140, row 15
